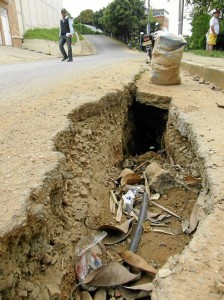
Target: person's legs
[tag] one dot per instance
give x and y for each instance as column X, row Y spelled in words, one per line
column 210, row 48
column 69, row 44
column 61, row 47
column 211, row 41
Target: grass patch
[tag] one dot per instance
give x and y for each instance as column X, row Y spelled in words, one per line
column 219, row 54
column 82, row 29
column 50, row 34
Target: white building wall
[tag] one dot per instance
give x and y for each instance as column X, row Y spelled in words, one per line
column 38, row 14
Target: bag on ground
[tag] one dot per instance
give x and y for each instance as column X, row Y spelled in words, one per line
column 166, row 59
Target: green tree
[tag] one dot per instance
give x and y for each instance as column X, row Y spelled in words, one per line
column 206, row 4
column 125, row 18
column 98, row 19
column 200, row 22
column 85, row 17
column 200, row 26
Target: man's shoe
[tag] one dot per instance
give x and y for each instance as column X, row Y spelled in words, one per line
column 69, row 60
column 64, row 58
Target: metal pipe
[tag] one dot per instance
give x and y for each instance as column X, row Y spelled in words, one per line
column 138, row 231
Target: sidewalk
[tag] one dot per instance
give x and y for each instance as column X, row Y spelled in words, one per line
column 209, row 68
column 14, row 55
column 33, row 48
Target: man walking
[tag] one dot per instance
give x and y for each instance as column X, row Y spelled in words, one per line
column 66, row 32
column 213, row 29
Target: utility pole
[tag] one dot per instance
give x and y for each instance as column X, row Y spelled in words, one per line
column 148, row 25
column 181, row 17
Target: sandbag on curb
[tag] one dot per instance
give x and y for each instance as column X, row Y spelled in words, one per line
column 166, row 58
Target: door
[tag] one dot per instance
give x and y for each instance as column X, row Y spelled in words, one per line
column 5, row 27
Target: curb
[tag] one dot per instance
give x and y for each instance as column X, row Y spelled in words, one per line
column 214, row 75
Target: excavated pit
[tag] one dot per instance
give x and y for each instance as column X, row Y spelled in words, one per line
column 37, row 261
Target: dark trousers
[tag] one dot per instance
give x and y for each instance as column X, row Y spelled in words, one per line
column 64, row 39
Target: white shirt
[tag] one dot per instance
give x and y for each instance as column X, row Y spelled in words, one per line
column 215, row 22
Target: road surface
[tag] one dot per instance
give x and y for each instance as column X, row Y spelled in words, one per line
column 42, row 74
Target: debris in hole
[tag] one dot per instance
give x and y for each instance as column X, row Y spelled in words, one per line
column 88, row 258
column 118, row 233
column 133, row 190
column 136, row 261
column 160, row 179
column 139, row 228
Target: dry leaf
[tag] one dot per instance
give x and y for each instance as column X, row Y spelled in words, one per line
column 126, row 225
column 193, row 220
column 185, row 224
column 190, row 180
column 132, row 295
column 125, row 172
column 148, row 287
column 137, row 261
column 163, row 216
column 131, row 179
column 112, row 274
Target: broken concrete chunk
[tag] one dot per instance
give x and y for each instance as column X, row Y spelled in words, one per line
column 159, row 179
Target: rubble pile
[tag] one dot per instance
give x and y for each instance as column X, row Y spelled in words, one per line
column 106, row 271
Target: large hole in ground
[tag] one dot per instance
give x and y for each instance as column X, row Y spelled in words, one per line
column 102, row 140
column 149, row 125
column 137, row 141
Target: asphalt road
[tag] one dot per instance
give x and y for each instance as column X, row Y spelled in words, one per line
column 42, row 74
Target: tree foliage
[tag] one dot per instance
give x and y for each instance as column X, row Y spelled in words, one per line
column 123, row 18
column 206, row 4
column 98, row 19
column 200, row 26
column 85, row 17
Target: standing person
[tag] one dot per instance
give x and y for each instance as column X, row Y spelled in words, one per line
column 66, row 32
column 213, row 29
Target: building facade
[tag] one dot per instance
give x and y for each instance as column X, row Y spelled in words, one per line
column 9, row 28
column 38, row 14
column 17, row 16
column 161, row 16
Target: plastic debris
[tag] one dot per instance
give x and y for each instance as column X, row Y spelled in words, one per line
column 88, row 257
